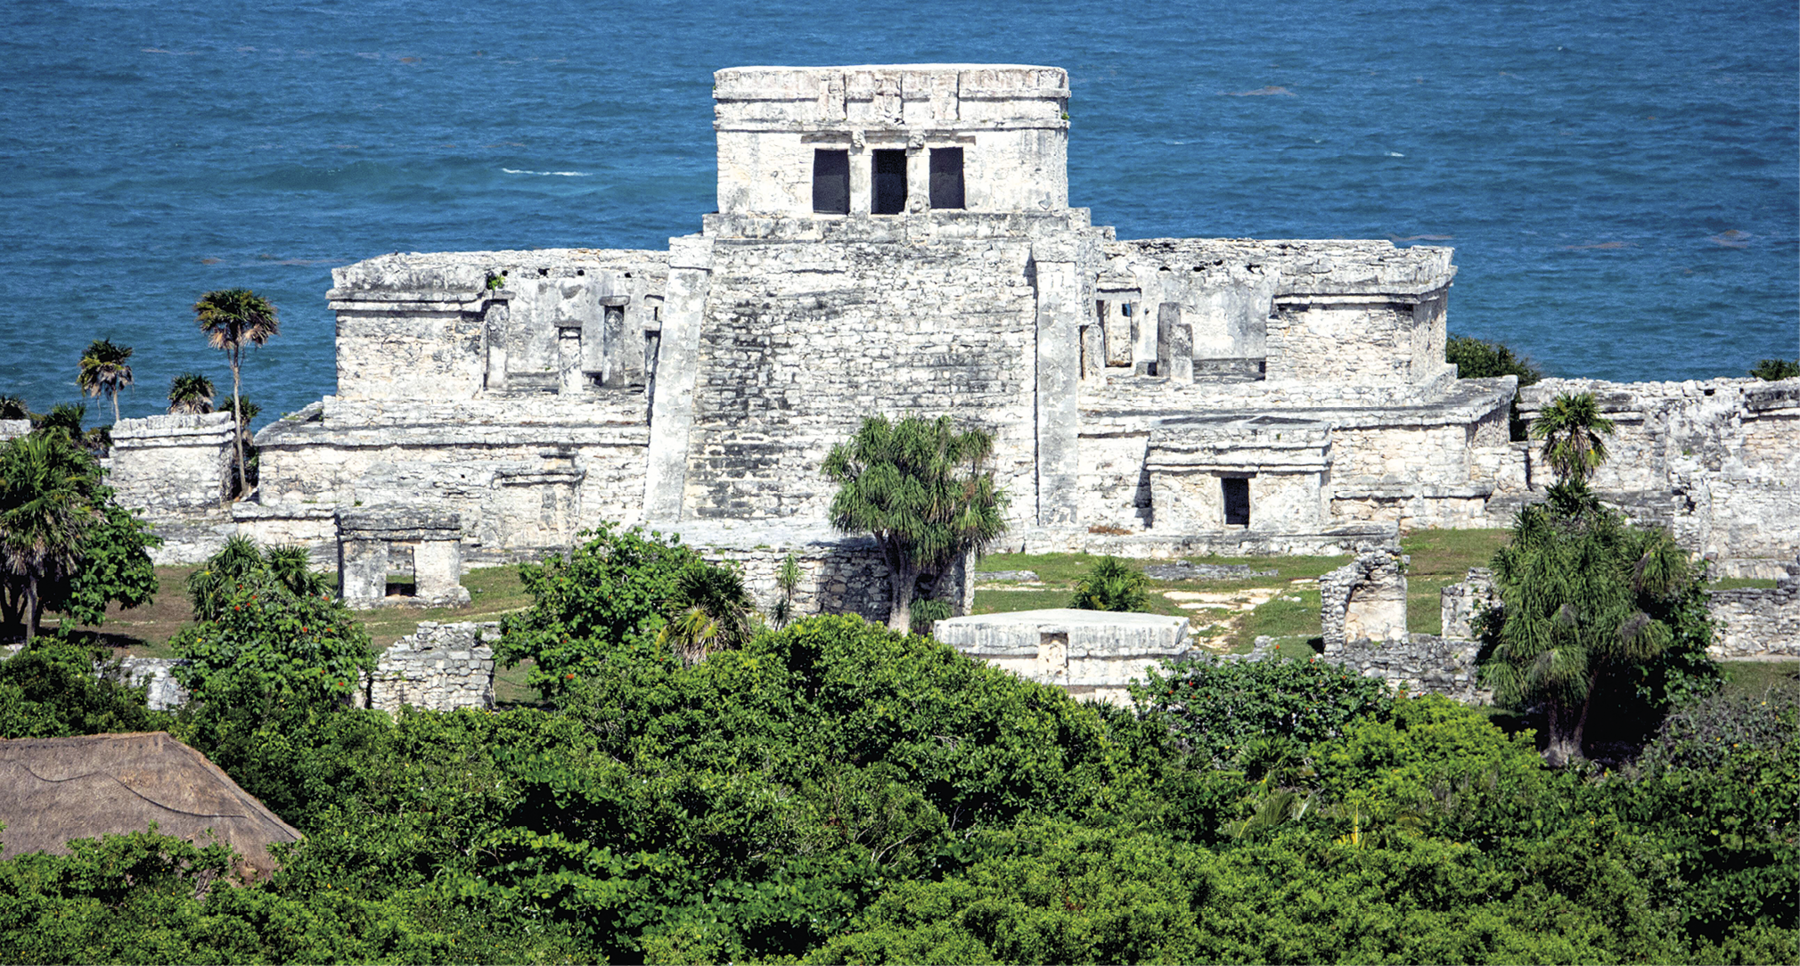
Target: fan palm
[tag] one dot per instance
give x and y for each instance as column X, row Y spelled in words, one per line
column 104, row 371
column 1571, row 428
column 191, row 393
column 924, row 490
column 47, row 504
column 231, row 319
column 716, row 614
column 13, row 407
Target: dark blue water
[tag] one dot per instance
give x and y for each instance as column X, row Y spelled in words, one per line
column 1619, row 178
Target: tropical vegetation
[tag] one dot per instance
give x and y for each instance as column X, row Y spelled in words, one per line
column 104, row 371
column 922, row 487
column 232, row 319
column 190, row 393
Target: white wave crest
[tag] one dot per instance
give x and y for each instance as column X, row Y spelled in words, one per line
column 548, row 174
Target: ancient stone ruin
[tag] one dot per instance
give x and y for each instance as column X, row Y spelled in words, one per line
column 899, row 240
column 1088, row 653
column 440, row 667
column 375, row 545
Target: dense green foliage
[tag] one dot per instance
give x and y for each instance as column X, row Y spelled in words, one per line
column 1773, row 369
column 621, row 587
column 1479, row 359
column 925, row 492
column 65, row 545
column 1114, row 585
column 51, row 691
column 1592, row 606
column 835, row 792
column 268, row 644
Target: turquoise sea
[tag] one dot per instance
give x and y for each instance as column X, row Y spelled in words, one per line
column 1620, row 179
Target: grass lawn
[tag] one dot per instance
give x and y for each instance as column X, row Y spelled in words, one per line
column 1752, row 678
column 145, row 631
column 1441, row 558
column 1284, row 606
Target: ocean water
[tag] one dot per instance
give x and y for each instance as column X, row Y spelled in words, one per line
column 1620, row 178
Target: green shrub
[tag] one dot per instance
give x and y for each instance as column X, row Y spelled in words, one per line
column 1214, row 708
column 51, row 691
column 1112, row 585
column 1480, row 359
column 1773, row 369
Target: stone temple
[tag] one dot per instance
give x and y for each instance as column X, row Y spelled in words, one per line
column 899, row 240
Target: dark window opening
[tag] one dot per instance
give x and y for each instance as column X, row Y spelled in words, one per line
column 1237, row 502
column 831, row 182
column 890, row 183
column 947, row 178
column 401, row 580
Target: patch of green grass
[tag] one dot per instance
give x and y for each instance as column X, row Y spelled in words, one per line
column 493, row 591
column 1008, row 601
column 1281, row 618
column 1741, row 583
column 1300, row 649
column 1450, row 553
column 1752, row 678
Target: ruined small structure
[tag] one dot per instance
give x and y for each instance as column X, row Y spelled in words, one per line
column 439, row 667
column 1364, row 600
column 1088, row 653
column 379, row 543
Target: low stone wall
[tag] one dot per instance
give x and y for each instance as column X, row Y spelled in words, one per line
column 190, row 537
column 1365, row 598
column 839, row 574
column 1089, row 654
column 1418, row 664
column 156, row 675
column 1753, row 623
column 441, row 667
column 173, row 462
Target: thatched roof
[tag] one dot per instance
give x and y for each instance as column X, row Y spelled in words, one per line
column 56, row 789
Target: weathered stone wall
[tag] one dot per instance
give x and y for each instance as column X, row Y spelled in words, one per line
column 1718, row 462
column 376, row 541
column 1090, row 654
column 440, row 667
column 799, row 342
column 1418, row 664
column 1460, row 603
column 1364, row 600
column 839, row 574
column 172, row 464
column 1010, row 122
column 156, row 676
column 1758, row 621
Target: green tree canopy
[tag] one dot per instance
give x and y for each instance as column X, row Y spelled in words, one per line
column 1480, row 359
column 104, row 371
column 191, row 393
column 1773, row 369
column 1587, row 598
column 924, row 490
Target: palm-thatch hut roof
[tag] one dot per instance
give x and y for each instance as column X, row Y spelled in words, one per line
column 56, row 789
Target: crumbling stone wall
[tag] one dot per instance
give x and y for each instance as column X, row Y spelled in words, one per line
column 155, row 675
column 839, row 574
column 1718, row 462
column 1754, row 622
column 1419, row 664
column 1364, row 600
column 1089, row 654
column 439, row 667
column 171, row 464
column 1460, row 603
column 369, row 540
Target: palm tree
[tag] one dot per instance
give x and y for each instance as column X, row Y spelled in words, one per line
column 190, row 393
column 1571, row 428
column 924, row 491
column 104, row 371
column 715, row 616
column 231, row 318
column 47, row 503
column 13, row 407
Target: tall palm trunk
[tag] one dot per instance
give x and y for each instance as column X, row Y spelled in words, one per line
column 902, row 580
column 237, row 420
column 115, row 400
column 33, row 610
